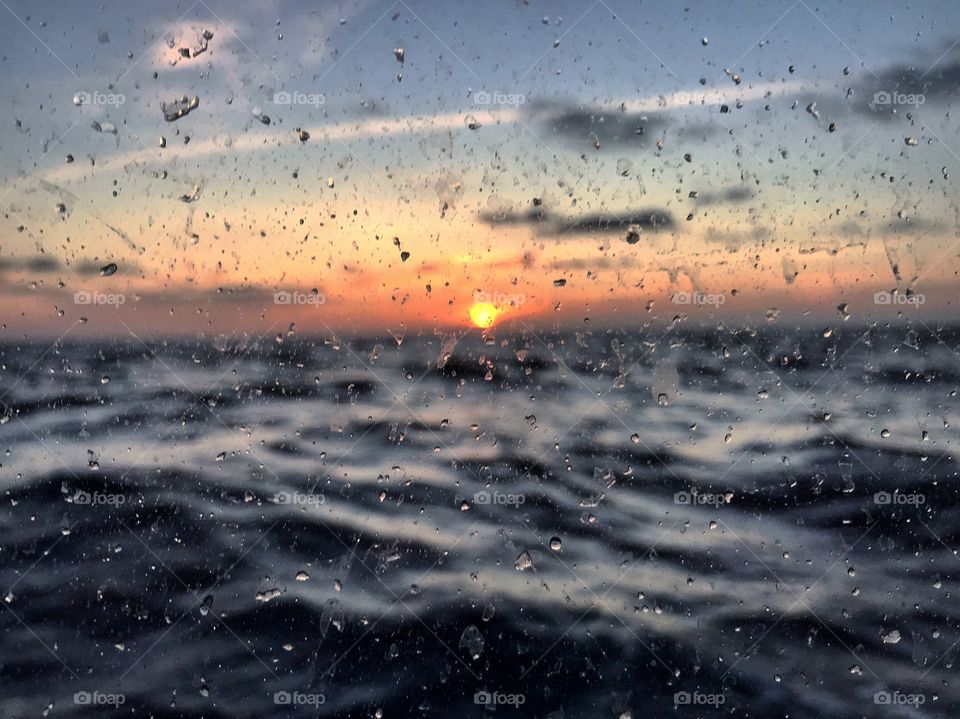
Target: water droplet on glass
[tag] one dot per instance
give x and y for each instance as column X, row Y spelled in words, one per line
column 268, row 595
column 891, row 637
column 206, row 604
column 524, row 561
column 472, row 641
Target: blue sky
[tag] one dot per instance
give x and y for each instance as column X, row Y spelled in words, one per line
column 780, row 176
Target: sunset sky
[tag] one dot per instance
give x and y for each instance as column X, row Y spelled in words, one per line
column 571, row 161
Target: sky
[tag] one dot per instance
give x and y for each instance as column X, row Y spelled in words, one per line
column 209, row 167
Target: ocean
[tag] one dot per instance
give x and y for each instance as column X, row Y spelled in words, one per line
column 666, row 522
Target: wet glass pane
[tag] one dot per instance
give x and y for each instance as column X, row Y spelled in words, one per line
column 516, row 358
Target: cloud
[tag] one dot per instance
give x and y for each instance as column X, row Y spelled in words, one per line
column 731, row 195
column 899, row 88
column 37, row 263
column 91, row 268
column 603, row 223
column 641, row 121
column 935, row 76
column 618, row 128
column 735, row 238
column 593, row 264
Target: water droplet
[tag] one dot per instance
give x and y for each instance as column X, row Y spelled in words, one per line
column 332, row 616
column 263, row 117
column 524, row 561
column 179, row 108
column 556, row 544
column 268, row 595
column 205, row 605
column 472, row 641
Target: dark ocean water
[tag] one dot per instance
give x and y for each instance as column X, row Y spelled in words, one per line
column 667, row 523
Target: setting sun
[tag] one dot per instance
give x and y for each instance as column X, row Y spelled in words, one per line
column 483, row 314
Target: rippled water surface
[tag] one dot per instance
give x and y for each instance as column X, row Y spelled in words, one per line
column 664, row 523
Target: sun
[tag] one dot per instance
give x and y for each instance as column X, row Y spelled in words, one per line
column 483, row 314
